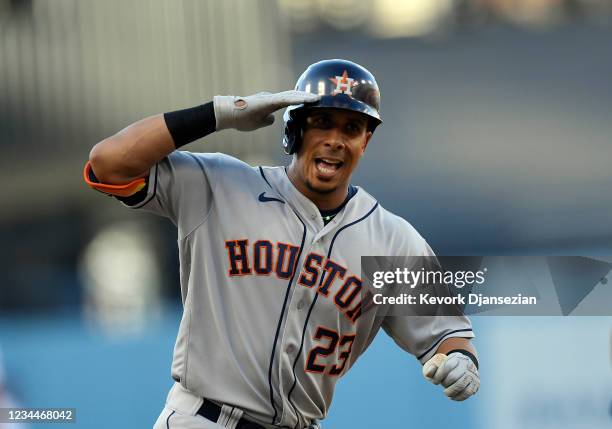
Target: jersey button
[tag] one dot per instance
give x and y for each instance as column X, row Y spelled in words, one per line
column 290, row 348
column 300, row 304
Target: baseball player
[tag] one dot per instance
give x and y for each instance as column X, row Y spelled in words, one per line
column 270, row 256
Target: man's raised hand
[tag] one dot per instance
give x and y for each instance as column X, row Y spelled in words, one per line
column 255, row 111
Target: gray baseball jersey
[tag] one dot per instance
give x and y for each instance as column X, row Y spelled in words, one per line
column 271, row 318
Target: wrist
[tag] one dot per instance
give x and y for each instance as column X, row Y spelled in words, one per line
column 465, row 353
column 188, row 125
column 224, row 107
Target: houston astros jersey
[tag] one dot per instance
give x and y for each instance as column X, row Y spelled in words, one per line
column 271, row 319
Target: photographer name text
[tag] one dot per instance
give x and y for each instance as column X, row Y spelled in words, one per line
column 477, row 299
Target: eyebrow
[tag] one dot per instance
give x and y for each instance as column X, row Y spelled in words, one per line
column 359, row 120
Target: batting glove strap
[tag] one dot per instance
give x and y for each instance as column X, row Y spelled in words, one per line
column 467, row 353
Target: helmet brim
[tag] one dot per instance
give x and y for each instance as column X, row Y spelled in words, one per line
column 340, row 101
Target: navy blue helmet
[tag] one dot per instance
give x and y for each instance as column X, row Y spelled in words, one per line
column 342, row 84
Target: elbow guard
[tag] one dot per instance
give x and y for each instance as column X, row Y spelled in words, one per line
column 123, row 190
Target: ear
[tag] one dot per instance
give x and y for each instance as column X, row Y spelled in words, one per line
column 368, row 136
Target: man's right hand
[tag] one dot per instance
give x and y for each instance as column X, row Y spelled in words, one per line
column 255, row 111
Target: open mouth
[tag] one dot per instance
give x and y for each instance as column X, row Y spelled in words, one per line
column 327, row 167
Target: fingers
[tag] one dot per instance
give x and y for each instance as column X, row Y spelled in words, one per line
column 453, row 375
column 462, row 382
column 456, row 373
column 444, row 370
column 289, row 98
column 429, row 370
column 255, row 111
column 458, row 386
column 454, row 367
column 459, row 393
column 432, row 365
column 462, row 396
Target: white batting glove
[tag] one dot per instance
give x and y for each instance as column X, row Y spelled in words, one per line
column 255, row 111
column 456, row 372
column 314, row 425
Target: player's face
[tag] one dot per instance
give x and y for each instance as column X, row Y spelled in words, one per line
column 333, row 142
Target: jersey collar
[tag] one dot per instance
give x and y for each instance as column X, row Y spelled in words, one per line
column 356, row 207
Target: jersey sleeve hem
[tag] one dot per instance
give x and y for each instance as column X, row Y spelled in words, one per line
column 151, row 191
column 457, row 333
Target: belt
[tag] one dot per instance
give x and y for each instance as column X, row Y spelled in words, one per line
column 211, row 411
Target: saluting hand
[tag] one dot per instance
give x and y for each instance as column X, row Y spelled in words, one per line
column 255, row 111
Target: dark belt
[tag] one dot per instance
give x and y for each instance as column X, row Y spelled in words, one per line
column 211, row 411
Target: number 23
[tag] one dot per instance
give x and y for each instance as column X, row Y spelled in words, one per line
column 345, row 342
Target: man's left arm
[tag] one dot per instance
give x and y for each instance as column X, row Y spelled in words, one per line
column 455, row 366
column 454, row 363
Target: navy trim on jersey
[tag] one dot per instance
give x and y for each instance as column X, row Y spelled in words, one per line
column 352, row 190
column 264, row 176
column 146, row 201
column 139, row 199
column 314, row 301
column 331, row 245
column 168, row 419
column 442, row 338
column 280, row 319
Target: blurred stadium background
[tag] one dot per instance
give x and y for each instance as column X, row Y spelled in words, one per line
column 496, row 140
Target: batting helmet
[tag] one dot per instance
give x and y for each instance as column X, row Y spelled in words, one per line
column 342, row 84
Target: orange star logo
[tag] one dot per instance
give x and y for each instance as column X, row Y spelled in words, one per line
column 343, row 84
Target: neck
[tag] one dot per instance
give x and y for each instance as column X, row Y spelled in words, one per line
column 323, row 200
